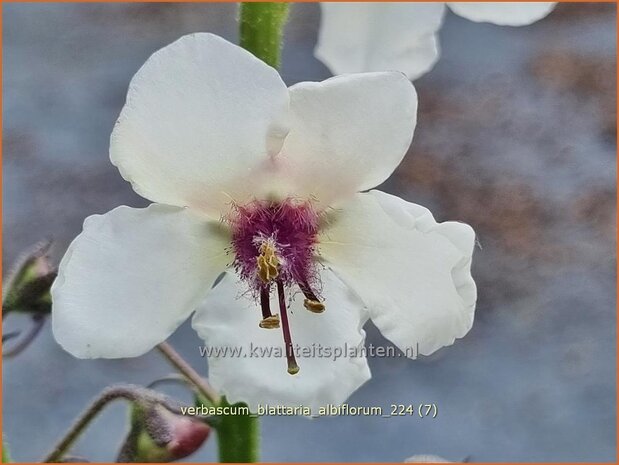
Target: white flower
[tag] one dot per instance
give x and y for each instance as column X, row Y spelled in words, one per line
column 262, row 182
column 421, row 458
column 377, row 36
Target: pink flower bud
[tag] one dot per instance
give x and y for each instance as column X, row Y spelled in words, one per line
column 186, row 434
column 159, row 435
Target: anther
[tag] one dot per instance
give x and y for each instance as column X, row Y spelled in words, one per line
column 311, row 302
column 267, row 263
column 271, row 322
column 293, row 368
column 314, row 306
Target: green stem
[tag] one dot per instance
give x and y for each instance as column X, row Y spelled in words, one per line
column 6, row 457
column 238, row 436
column 262, row 28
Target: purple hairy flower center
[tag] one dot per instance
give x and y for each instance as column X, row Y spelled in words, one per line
column 288, row 230
column 274, row 246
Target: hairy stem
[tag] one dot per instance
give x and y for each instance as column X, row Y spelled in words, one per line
column 261, row 29
column 130, row 392
column 74, row 432
column 238, row 436
column 188, row 372
column 38, row 321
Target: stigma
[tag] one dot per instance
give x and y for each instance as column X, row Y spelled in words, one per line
column 274, row 247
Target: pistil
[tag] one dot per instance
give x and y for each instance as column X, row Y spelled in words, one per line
column 293, row 368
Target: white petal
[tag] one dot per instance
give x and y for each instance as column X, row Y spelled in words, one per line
column 201, row 119
column 348, row 133
column 358, row 37
column 412, row 273
column 503, row 13
column 131, row 277
column 230, row 319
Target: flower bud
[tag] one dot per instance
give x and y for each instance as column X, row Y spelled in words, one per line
column 27, row 288
column 159, row 435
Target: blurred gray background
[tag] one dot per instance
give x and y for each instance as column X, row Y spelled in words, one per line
column 516, row 137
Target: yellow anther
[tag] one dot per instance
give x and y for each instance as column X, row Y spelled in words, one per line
column 267, row 262
column 270, row 322
column 314, row 306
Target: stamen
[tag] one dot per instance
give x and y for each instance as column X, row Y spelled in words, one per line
column 293, row 368
column 311, row 302
column 269, row 321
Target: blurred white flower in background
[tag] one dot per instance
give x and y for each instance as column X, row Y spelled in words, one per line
column 262, row 183
column 377, row 36
column 421, row 458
